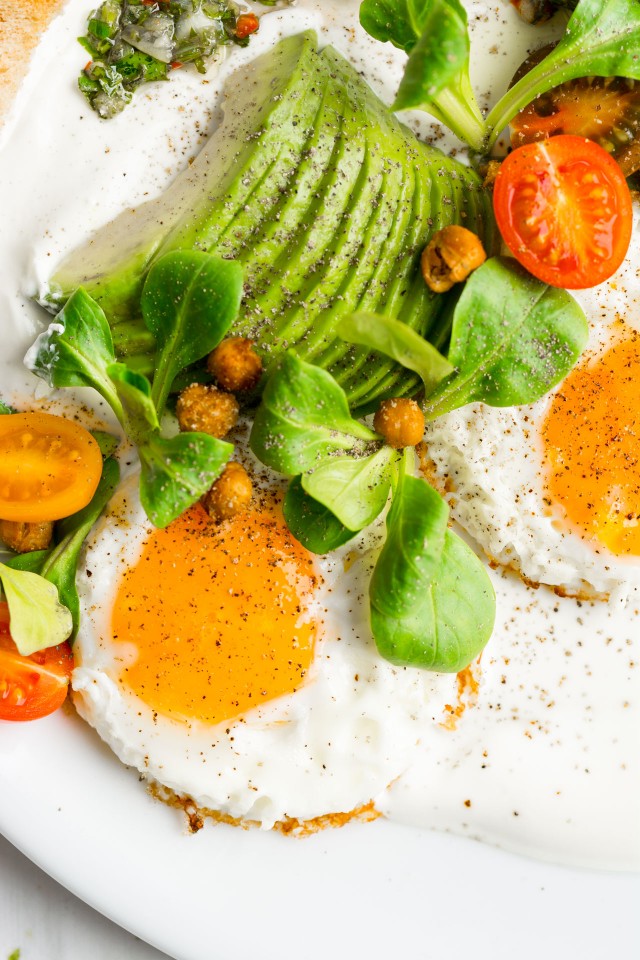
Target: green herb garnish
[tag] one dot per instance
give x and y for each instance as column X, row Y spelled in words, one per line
column 132, row 42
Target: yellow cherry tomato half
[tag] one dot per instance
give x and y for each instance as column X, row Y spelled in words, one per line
column 49, row 467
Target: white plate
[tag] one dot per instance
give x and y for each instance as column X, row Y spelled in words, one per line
column 374, row 891
column 379, row 890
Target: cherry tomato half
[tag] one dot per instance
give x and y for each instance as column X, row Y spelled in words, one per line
column 49, row 467
column 35, row 686
column 564, row 210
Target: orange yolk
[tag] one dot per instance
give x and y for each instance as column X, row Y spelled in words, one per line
column 591, row 438
column 218, row 615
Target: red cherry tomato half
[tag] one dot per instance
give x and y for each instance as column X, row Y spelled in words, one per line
column 564, row 210
column 35, row 686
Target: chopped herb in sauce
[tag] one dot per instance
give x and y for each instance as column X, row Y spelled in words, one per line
column 132, row 42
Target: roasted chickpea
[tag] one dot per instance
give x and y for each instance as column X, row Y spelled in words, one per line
column 24, row 537
column 235, row 364
column 230, row 494
column 206, row 409
column 450, row 256
column 400, row 422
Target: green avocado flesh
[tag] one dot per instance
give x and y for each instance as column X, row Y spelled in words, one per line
column 324, row 198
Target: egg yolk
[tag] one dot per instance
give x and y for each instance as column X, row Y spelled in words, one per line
column 591, row 439
column 218, row 616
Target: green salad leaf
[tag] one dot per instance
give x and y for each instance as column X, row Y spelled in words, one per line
column 342, row 471
column 76, row 349
column 602, row 39
column 398, row 341
column 61, row 563
column 304, row 419
column 174, row 471
column 38, row 619
column 355, row 490
column 513, row 339
column 189, row 301
column 434, row 34
column 177, row 471
column 311, row 523
column 139, row 416
column 432, row 604
column 31, row 561
column 106, row 441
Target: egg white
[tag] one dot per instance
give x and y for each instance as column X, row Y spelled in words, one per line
column 491, row 461
column 336, row 743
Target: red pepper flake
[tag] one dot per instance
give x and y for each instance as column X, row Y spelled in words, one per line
column 176, row 65
column 246, row 24
column 88, row 64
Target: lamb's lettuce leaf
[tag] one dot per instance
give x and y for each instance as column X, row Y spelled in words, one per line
column 175, row 471
column 602, row 39
column 313, row 524
column 513, row 339
column 304, row 419
column 355, row 490
column 76, row 349
column 398, row 341
column 189, row 301
column 432, row 604
column 434, row 34
column 38, row 619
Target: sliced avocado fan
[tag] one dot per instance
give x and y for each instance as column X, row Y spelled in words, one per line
column 321, row 194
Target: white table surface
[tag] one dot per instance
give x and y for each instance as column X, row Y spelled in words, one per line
column 44, row 921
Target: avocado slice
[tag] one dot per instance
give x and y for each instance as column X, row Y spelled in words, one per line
column 319, row 249
column 363, row 236
column 275, row 237
column 324, row 198
column 266, row 100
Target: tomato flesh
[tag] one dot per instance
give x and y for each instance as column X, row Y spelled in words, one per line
column 35, row 686
column 603, row 109
column 563, row 208
column 49, row 467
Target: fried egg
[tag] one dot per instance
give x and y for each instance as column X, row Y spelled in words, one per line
column 228, row 664
column 553, row 488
